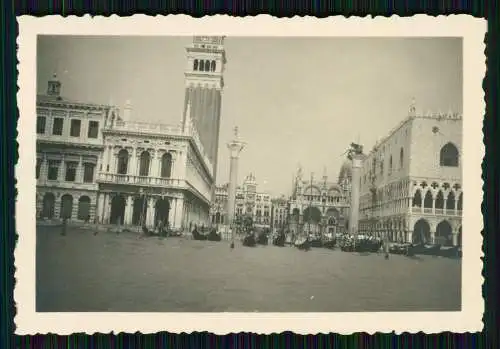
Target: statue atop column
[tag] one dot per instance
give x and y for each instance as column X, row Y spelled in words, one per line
column 355, row 154
column 235, row 147
column 354, row 149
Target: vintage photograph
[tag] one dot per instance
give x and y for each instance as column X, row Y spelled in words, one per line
column 249, row 174
column 216, row 174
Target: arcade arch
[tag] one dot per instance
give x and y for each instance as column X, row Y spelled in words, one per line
column 83, row 208
column 48, row 207
column 421, row 232
column 66, row 206
column 117, row 210
column 162, row 209
column 444, row 234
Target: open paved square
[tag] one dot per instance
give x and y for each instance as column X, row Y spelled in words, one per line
column 81, row 272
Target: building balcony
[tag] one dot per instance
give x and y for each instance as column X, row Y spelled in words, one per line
column 114, row 178
column 377, row 214
column 435, row 211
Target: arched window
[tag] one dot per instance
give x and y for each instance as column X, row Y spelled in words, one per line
column 428, row 200
column 459, row 203
column 450, row 202
column 207, row 65
column 212, row 66
column 439, row 200
column 166, row 165
column 122, row 162
column 448, row 155
column 401, row 158
column 144, row 163
column 202, row 65
column 195, row 64
column 381, row 167
column 390, row 164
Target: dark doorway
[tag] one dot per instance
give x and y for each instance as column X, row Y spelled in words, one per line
column 162, row 209
column 117, row 210
column 66, row 206
column 140, row 210
column 48, row 206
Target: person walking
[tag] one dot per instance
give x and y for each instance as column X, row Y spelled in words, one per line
column 161, row 231
column 64, row 226
column 386, row 247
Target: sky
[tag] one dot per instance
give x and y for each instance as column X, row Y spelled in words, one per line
column 295, row 100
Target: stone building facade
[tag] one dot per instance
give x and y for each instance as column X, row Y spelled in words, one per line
column 320, row 206
column 249, row 202
column 143, row 173
column 411, row 181
column 69, row 145
column 279, row 213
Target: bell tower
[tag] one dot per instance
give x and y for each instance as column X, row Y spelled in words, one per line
column 204, row 82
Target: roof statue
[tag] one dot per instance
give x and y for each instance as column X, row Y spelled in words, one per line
column 354, row 149
column 412, row 106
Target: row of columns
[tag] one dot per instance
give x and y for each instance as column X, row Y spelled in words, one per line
column 195, row 214
column 422, row 208
column 175, row 213
column 407, row 235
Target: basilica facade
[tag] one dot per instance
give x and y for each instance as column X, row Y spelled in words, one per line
column 320, row 206
column 95, row 163
column 411, row 181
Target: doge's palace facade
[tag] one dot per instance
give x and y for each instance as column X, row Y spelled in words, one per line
column 411, row 181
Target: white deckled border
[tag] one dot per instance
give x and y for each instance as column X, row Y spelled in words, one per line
column 469, row 319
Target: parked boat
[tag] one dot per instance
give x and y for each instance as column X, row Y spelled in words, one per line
column 315, row 240
column 450, row 252
column 249, row 240
column 425, row 249
column 197, row 235
column 350, row 243
column 368, row 245
column 303, row 244
column 328, row 241
column 214, row 236
column 262, row 238
column 400, row 249
column 280, row 239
